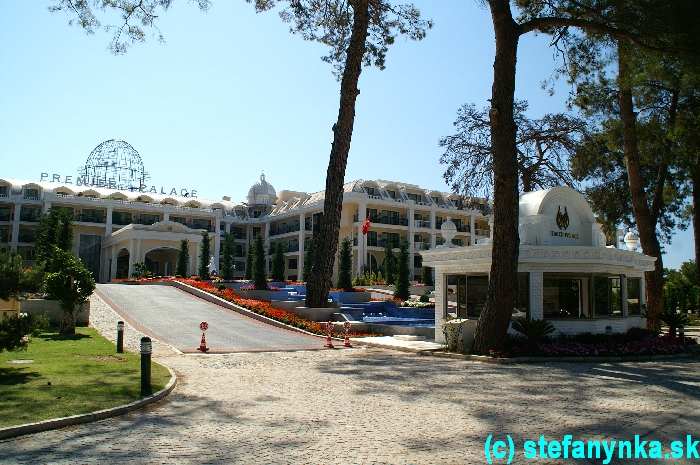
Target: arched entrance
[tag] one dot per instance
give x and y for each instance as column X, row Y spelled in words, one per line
column 123, row 264
column 162, row 261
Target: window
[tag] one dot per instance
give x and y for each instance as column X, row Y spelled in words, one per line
column 477, row 290
column 89, row 252
column 5, row 234
column 522, row 303
column 4, row 191
column 31, row 194
column 634, row 296
column 121, row 218
column 607, row 295
column 561, row 297
column 5, row 213
column 292, row 264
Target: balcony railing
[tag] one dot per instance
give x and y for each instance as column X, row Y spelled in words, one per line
column 33, row 216
column 421, row 245
column 90, row 218
column 422, row 224
column 383, row 243
column 385, row 219
column 284, row 229
column 463, row 228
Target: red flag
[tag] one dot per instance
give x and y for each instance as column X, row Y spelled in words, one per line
column 366, row 225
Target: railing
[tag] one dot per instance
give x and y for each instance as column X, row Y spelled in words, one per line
column 421, row 246
column 130, row 202
column 90, row 218
column 30, row 196
column 383, row 243
column 422, row 224
column 284, row 229
column 381, row 219
column 463, row 227
column 30, row 217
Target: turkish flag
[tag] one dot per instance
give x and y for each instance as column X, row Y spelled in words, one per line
column 366, row 225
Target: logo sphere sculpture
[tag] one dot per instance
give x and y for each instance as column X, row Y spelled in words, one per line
column 115, row 164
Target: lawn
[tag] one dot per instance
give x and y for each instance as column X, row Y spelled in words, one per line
column 68, row 376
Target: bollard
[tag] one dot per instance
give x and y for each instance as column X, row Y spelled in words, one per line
column 146, row 350
column 346, row 329
column 681, row 334
column 120, row 337
column 329, row 335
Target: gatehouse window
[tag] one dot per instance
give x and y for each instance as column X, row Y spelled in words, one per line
column 634, row 296
column 562, row 297
column 608, row 296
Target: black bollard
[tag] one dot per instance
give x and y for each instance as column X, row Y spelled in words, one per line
column 120, row 337
column 146, row 366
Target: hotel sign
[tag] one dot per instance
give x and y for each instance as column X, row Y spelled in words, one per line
column 112, row 184
column 562, row 220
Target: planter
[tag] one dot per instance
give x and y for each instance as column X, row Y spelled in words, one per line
column 315, row 314
column 459, row 334
column 343, row 297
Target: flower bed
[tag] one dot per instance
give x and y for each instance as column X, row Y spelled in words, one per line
column 263, row 308
column 634, row 342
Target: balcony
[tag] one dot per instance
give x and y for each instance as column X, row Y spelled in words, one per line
column 91, row 218
column 277, row 230
column 383, row 243
column 27, row 235
column 121, row 218
column 146, row 220
column 422, row 224
column 32, row 215
column 463, row 228
column 386, row 219
column 421, row 246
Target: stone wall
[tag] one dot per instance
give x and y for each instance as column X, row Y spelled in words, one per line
column 52, row 310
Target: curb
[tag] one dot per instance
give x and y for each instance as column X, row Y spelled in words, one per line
column 545, row 360
column 56, row 423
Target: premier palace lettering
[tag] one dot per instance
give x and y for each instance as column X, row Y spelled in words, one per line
column 112, row 184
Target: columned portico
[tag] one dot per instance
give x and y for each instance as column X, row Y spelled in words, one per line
column 140, row 240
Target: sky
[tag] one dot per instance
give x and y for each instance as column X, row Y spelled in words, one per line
column 231, row 93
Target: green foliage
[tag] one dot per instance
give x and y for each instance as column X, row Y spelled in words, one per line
column 308, row 260
column 259, row 275
column 72, row 285
column 425, row 297
column 427, row 276
column 227, row 256
column 278, row 262
column 369, row 279
column 15, row 329
column 389, row 263
column 681, row 291
column 402, row 277
column 249, row 259
column 55, row 230
column 535, row 331
column 141, row 271
column 674, row 320
column 183, row 259
column 10, row 274
column 345, row 265
column 204, row 256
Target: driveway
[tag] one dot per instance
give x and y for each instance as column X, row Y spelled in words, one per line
column 173, row 317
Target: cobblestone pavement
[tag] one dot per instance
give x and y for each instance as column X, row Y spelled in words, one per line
column 367, row 406
column 173, row 316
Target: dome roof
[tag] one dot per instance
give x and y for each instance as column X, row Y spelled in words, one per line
column 262, row 193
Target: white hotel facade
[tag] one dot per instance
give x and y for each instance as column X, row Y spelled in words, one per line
column 115, row 229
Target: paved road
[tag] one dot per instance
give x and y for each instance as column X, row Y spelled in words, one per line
column 173, row 316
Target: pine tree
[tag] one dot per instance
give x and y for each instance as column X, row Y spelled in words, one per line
column 278, row 262
column 345, row 265
column 402, row 277
column 55, row 229
column 183, row 259
column 249, row 262
column 204, row 257
column 389, row 263
column 227, row 257
column 309, row 260
column 259, row 279
column 427, row 276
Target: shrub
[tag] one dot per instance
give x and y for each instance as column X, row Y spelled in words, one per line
column 534, row 331
column 72, row 285
column 204, row 256
column 345, row 265
column 259, row 278
column 141, row 271
column 389, row 263
column 402, row 277
column 183, row 259
column 425, row 297
column 675, row 320
column 15, row 329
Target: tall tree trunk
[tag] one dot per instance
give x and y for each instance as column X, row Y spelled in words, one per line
column 326, row 242
column 696, row 218
column 493, row 322
column 646, row 223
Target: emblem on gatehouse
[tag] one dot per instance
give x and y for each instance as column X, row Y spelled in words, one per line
column 562, row 218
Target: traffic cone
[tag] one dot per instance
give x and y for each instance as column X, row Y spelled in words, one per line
column 203, row 345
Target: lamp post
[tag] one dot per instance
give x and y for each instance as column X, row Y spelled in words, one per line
column 146, row 350
column 120, row 337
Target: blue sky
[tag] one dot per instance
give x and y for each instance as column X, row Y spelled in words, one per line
column 231, row 93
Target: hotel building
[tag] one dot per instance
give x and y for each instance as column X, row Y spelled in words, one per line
column 115, row 229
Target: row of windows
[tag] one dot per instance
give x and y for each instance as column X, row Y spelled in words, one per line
column 563, row 297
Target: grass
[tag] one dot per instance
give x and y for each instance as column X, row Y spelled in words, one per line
column 69, row 376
